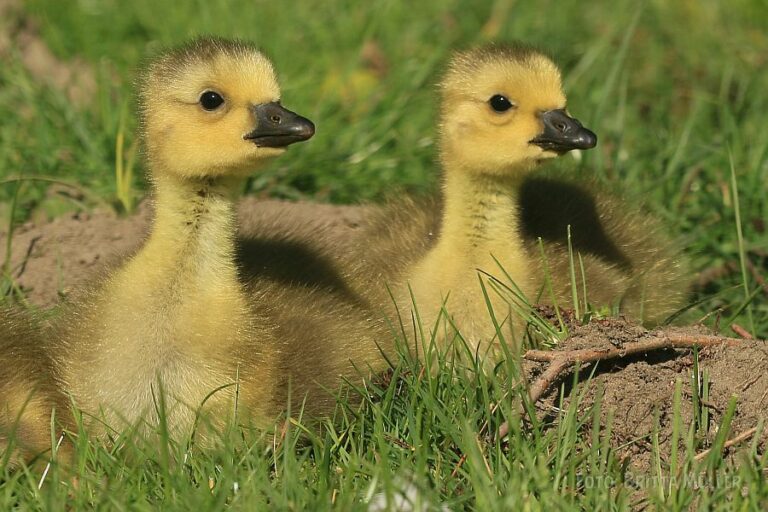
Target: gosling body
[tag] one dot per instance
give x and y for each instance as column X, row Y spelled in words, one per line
column 174, row 329
column 33, row 409
column 502, row 116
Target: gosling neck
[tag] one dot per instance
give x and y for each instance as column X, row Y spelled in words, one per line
column 481, row 211
column 193, row 233
column 480, row 228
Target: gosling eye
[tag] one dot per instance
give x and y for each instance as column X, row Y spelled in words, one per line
column 500, row 103
column 211, row 100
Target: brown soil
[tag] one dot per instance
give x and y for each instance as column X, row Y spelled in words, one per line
column 637, row 390
column 48, row 260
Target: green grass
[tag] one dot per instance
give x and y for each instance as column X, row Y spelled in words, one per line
column 427, row 430
column 677, row 92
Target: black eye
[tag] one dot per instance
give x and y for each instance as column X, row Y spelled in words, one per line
column 211, row 100
column 500, row 103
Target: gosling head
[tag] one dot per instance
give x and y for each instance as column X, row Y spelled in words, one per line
column 212, row 108
column 503, row 111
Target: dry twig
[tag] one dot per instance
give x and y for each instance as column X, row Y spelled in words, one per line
column 747, row 384
column 736, row 440
column 742, row 332
column 563, row 360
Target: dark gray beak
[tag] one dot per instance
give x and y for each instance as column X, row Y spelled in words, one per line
column 278, row 127
column 563, row 133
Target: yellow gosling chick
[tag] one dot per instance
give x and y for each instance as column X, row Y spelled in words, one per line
column 30, row 399
column 502, row 115
column 174, row 323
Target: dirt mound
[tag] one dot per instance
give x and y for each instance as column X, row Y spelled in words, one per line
column 636, row 392
column 48, row 260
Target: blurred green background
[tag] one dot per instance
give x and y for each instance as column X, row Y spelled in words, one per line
column 677, row 92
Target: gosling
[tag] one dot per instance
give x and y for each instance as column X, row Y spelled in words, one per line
column 503, row 115
column 174, row 326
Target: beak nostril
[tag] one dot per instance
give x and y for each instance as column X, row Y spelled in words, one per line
column 563, row 133
column 277, row 127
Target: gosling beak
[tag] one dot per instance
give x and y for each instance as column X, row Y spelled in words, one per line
column 563, row 133
column 278, row 127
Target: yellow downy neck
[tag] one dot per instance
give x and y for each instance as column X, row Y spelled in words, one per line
column 481, row 222
column 185, row 274
column 194, row 228
column 480, row 227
